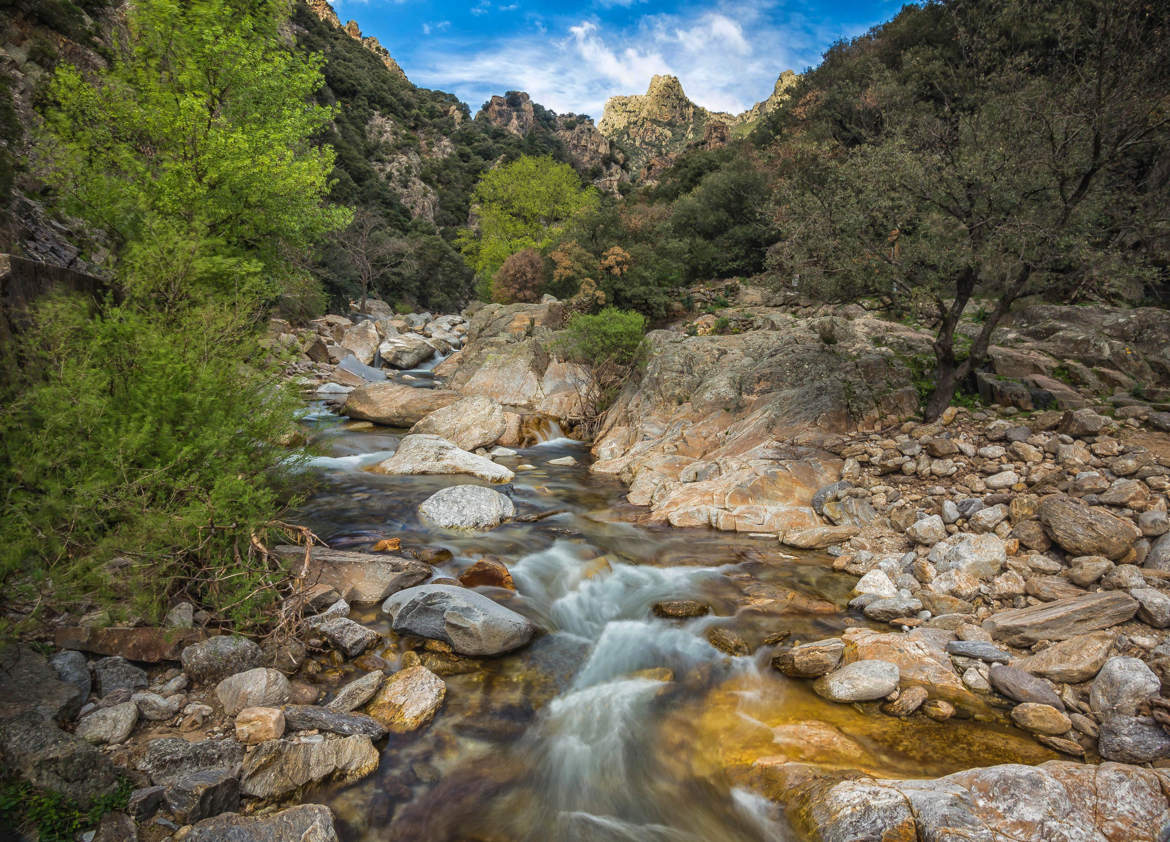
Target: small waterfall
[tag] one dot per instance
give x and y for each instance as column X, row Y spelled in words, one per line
column 536, row 430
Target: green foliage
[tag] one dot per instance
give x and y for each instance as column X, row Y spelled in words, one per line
column 611, row 336
column 55, row 817
column 524, row 204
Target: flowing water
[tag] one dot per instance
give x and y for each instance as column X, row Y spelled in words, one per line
column 613, row 724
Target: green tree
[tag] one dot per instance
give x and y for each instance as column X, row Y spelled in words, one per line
column 524, row 204
column 995, row 148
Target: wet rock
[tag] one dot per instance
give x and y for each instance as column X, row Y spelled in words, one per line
column 860, row 681
column 939, row 710
column 116, row 673
column 426, row 454
column 279, row 767
column 1132, row 739
column 259, row 724
column 908, row 701
column 469, row 621
column 681, row 609
column 260, row 687
column 167, row 758
column 108, row 726
column 28, row 682
column 1061, row 619
column 348, row 637
column 218, row 657
column 920, row 659
column 35, row 749
column 466, row 507
column 979, row 649
column 817, row 537
column 395, row 404
column 72, row 668
column 360, row 578
column 487, row 572
column 312, row 717
column 1041, row 719
column 1071, row 661
column 405, row 351
column 885, row 610
column 1086, row 530
column 469, row 423
column 408, row 700
column 728, row 642
column 355, row 694
column 810, row 660
column 203, row 793
column 1022, row 686
column 1121, row 686
column 1154, row 607
column 303, row 823
column 927, row 531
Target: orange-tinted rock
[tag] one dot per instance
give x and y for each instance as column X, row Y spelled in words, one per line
column 488, row 572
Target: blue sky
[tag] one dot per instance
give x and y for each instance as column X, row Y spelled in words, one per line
column 572, row 57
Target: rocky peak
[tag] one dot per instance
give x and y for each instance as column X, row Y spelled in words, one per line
column 324, row 11
column 780, row 93
column 512, row 112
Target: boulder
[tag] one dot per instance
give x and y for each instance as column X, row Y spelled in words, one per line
column 363, row 373
column 469, row 621
column 35, row 749
column 359, row 578
column 1132, row 739
column 394, row 404
column 218, row 657
column 303, row 823
column 108, row 726
column 29, row 683
column 202, row 793
column 362, row 341
column 810, row 660
column 116, row 673
column 1041, row 719
column 817, row 537
column 1083, row 530
column 346, row 636
column 155, row 708
column 146, row 644
column 919, row 657
column 426, row 454
column 980, row 556
column 355, row 694
column 72, row 668
column 279, row 767
column 168, row 758
column 406, row 350
column 468, row 423
column 466, row 507
column 1070, row 661
column 408, row 700
column 260, row 687
column 1121, row 687
column 312, row 717
column 1061, row 619
column 860, row 681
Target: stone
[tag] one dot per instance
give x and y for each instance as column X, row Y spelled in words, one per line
column 1070, row 661
column 1002, row 480
column 939, row 710
column 346, row 636
column 72, row 668
column 427, row 454
column 145, row 801
column 885, row 610
column 876, row 582
column 987, row 519
column 259, row 687
column 817, row 537
column 728, row 642
column 35, row 749
column 153, row 707
column 1061, row 619
column 927, row 531
column 466, row 507
column 218, row 657
column 203, row 793
column 860, row 681
column 116, row 673
column 108, row 726
column 468, row 423
column 1132, row 739
column 394, row 404
column 279, row 767
column 181, row 616
column 29, row 683
column 920, row 658
column 1051, row 588
column 469, row 621
column 1082, row 530
column 1153, row 523
column 1086, row 570
column 303, row 823
column 115, row 827
column 1121, row 687
column 681, row 609
column 315, row 718
column 145, row 644
column 405, row 351
column 360, row 578
column 169, row 758
column 362, row 373
column 259, row 724
column 908, row 701
column 408, row 700
column 1041, row 719
column 1154, row 607
column 487, row 572
column 981, row 556
column 978, row 649
column 809, row 660
column 1123, row 577
column 355, row 694
column 362, row 341
column 1022, row 686
column 1079, row 423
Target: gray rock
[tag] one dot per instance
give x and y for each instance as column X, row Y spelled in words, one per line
column 405, row 351
column 28, row 682
column 1121, row 686
column 278, row 767
column 203, row 793
column 72, row 668
column 356, row 367
column 108, row 726
column 303, row 823
column 259, row 687
column 346, row 636
column 145, row 801
column 355, row 694
column 981, row 556
column 860, row 681
column 1132, row 739
column 154, row 707
column 1158, row 558
column 1073, row 660
column 1123, row 577
column 359, row 578
column 167, row 758
column 885, row 610
column 828, row 492
column 1061, row 619
column 116, row 673
column 968, row 506
column 182, row 616
column 1022, row 686
column 34, row 748
column 1154, row 607
column 469, row 423
column 427, row 454
column 218, row 657
column 309, row 717
column 469, row 621
column 927, row 531
column 466, row 507
column 979, row 649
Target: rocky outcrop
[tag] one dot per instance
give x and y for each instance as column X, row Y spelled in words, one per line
column 780, row 95
column 325, row 12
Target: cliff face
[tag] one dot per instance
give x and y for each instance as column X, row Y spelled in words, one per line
column 324, row 11
column 590, row 152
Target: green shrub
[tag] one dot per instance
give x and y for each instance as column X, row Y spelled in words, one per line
column 612, row 335
column 55, row 817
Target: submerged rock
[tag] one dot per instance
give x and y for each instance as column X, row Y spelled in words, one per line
column 469, row 621
column 408, row 700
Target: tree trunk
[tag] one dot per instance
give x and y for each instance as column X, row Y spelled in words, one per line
column 946, row 382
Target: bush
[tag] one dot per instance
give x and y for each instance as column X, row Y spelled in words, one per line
column 611, row 336
column 521, row 278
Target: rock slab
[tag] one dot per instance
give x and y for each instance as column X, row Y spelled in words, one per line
column 469, row 621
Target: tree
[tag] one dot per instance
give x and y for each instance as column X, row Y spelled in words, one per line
column 995, row 157
column 373, row 250
column 521, row 278
column 524, row 204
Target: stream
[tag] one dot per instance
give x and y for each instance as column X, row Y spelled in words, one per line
column 613, row 724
